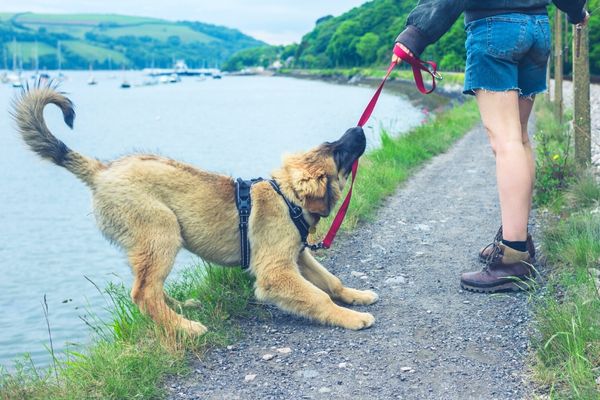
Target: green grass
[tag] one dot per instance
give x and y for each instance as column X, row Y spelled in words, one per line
column 26, row 50
column 567, row 344
column 131, row 355
column 158, row 31
column 34, row 18
column 94, row 53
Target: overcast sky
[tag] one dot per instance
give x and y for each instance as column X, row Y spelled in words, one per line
column 273, row 21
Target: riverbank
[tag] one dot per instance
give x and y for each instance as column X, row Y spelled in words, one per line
column 450, row 86
column 131, row 356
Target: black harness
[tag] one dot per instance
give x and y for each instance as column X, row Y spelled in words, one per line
column 243, row 202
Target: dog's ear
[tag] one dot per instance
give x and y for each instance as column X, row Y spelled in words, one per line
column 312, row 186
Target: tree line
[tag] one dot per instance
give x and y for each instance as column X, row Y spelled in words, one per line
column 364, row 36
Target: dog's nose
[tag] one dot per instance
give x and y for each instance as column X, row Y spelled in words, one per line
column 355, row 140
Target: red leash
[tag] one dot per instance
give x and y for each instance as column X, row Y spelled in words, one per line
column 417, row 66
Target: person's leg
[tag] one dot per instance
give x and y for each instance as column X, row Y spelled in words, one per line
column 501, row 116
column 525, row 107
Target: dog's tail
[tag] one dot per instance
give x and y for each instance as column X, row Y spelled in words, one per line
column 28, row 113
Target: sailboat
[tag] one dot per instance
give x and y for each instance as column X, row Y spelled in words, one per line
column 14, row 78
column 92, row 79
column 125, row 84
column 61, row 76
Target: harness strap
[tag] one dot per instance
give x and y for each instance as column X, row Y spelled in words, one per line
column 295, row 214
column 243, row 201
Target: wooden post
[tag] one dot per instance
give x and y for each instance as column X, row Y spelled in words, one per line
column 581, row 97
column 558, row 65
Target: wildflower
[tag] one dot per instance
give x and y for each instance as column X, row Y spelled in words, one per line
column 555, row 157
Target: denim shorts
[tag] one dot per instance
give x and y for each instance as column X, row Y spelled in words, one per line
column 508, row 52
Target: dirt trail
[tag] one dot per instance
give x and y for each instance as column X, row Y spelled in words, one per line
column 431, row 340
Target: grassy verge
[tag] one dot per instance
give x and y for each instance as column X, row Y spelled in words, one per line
column 567, row 346
column 131, row 356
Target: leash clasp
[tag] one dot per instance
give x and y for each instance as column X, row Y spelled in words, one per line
column 434, row 72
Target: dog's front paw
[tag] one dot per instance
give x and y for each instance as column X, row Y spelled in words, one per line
column 357, row 320
column 360, row 297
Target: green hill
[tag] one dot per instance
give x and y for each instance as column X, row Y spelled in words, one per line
column 108, row 40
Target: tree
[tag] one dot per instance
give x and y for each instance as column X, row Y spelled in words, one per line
column 367, row 47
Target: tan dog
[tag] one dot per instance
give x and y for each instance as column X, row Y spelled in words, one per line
column 153, row 206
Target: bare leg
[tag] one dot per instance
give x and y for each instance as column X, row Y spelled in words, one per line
column 501, row 117
column 317, row 274
column 284, row 286
column 525, row 107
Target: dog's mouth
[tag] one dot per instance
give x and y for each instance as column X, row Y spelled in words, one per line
column 348, row 149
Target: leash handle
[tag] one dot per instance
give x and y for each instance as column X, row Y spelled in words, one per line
column 418, row 66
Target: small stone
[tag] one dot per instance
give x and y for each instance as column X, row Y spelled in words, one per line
column 406, row 369
column 284, row 350
column 250, row 377
column 357, row 274
column 229, row 347
column 466, row 302
column 342, row 365
column 395, row 280
column 324, row 390
column 428, row 311
column 310, row 373
column 268, row 357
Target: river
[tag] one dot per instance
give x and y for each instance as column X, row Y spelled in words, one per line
column 241, row 126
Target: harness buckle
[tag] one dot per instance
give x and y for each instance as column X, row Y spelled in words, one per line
column 315, row 246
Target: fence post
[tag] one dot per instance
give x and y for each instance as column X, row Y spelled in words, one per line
column 558, row 65
column 582, row 124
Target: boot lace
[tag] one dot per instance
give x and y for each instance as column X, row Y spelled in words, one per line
column 493, row 256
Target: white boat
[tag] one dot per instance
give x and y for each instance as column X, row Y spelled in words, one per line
column 15, row 80
column 92, row 80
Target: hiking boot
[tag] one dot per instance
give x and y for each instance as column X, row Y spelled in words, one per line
column 487, row 250
column 506, row 270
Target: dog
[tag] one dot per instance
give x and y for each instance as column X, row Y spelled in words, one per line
column 153, row 206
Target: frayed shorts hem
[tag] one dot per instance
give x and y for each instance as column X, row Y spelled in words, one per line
column 473, row 91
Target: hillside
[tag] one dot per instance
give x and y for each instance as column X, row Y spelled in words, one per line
column 108, row 40
column 364, row 36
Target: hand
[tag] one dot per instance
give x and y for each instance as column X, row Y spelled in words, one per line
column 397, row 59
column 585, row 20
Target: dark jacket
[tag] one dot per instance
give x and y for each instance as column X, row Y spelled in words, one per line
column 432, row 18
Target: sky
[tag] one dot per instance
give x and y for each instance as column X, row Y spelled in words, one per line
column 273, row 21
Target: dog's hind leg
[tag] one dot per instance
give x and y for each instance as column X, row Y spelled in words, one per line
column 316, row 273
column 151, row 257
column 285, row 286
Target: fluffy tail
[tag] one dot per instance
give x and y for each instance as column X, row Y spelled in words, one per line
column 28, row 113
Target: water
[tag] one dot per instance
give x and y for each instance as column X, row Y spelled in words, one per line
column 240, row 126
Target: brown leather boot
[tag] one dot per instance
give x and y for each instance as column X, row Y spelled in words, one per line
column 487, row 250
column 506, row 270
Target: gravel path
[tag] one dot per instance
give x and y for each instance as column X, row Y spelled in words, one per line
column 431, row 340
column 595, row 112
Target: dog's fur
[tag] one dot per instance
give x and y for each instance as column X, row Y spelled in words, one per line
column 153, row 206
